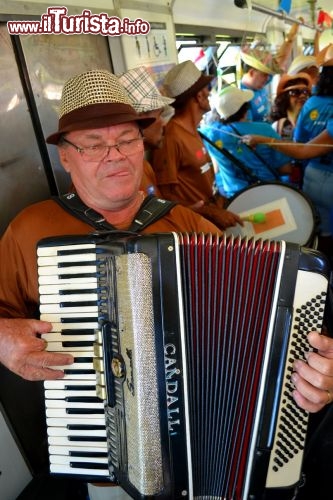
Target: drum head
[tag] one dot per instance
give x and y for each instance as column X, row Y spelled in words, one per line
column 288, row 213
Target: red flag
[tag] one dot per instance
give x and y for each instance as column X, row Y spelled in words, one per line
column 324, row 19
column 199, row 56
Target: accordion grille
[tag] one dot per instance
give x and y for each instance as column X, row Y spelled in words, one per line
column 140, row 392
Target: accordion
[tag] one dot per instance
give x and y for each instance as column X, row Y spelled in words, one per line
column 184, row 347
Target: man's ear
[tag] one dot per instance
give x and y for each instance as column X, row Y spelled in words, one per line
column 63, row 155
column 198, row 97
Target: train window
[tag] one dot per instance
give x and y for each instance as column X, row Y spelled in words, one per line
column 215, row 54
column 217, row 59
column 22, row 177
column 227, row 55
column 34, row 70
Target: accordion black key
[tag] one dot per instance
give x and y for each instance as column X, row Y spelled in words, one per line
column 184, row 346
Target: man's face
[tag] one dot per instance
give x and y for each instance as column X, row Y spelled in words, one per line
column 203, row 99
column 113, row 179
column 258, row 79
column 153, row 135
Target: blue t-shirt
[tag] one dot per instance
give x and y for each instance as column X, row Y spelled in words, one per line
column 330, row 127
column 315, row 116
column 260, row 105
column 230, row 179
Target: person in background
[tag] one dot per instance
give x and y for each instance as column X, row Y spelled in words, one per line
column 318, row 146
column 257, row 74
column 318, row 173
column 305, row 64
column 291, row 94
column 232, row 105
column 150, row 103
column 182, row 166
column 259, row 66
column 100, row 145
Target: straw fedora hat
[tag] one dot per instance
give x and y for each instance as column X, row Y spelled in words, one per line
column 300, row 63
column 183, row 81
column 325, row 56
column 290, row 82
column 94, row 99
column 258, row 59
column 142, row 90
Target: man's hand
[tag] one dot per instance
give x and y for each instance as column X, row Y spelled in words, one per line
column 221, row 217
column 197, row 205
column 229, row 219
column 252, row 140
column 23, row 352
column 313, row 379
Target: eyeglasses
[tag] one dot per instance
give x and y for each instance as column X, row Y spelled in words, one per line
column 299, row 92
column 98, row 153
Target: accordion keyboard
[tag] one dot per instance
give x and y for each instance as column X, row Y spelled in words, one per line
column 75, row 416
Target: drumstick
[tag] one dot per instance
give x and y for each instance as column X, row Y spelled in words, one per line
column 257, row 218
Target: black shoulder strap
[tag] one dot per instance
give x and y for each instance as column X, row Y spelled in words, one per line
column 247, row 171
column 151, row 210
column 255, row 152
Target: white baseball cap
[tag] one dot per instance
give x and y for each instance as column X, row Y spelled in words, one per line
column 230, row 100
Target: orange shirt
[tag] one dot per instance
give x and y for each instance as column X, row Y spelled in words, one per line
column 184, row 163
column 18, row 262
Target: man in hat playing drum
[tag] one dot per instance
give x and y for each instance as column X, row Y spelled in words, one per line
column 183, row 168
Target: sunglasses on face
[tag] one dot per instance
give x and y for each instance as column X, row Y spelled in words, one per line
column 299, row 92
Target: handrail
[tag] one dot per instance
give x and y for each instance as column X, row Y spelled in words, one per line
column 279, row 14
